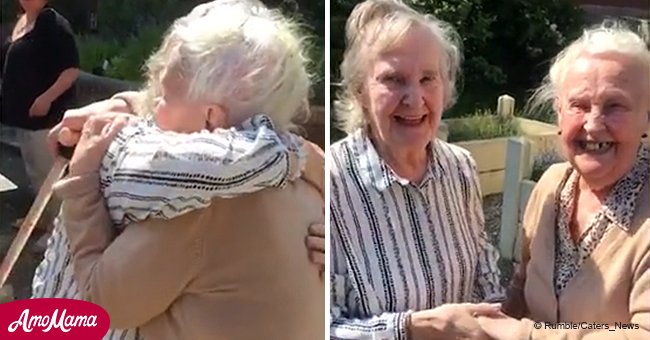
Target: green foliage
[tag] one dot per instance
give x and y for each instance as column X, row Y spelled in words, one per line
column 484, row 124
column 128, row 63
column 507, row 44
column 93, row 50
column 129, row 31
column 123, row 19
column 125, row 56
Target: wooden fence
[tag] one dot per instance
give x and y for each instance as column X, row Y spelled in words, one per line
column 491, row 154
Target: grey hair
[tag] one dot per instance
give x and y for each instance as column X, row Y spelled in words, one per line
column 239, row 54
column 375, row 26
column 612, row 38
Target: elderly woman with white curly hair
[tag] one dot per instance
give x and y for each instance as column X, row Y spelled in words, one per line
column 409, row 255
column 190, row 265
column 585, row 270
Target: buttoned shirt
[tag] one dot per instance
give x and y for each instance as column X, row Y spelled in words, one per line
column 616, row 212
column 399, row 246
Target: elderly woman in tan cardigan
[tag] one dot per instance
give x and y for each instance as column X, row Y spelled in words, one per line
column 585, row 270
column 231, row 269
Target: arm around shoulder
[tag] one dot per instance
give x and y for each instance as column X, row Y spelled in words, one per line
column 138, row 274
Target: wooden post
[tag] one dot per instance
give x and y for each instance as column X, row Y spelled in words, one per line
column 506, row 106
column 517, row 160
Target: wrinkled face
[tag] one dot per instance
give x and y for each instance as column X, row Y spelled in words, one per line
column 174, row 112
column 32, row 5
column 402, row 94
column 603, row 112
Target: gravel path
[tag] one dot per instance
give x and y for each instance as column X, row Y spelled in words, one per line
column 492, row 212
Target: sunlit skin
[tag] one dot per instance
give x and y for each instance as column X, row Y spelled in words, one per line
column 603, row 107
column 403, row 98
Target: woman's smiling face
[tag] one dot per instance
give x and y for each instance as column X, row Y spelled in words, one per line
column 403, row 93
column 603, row 106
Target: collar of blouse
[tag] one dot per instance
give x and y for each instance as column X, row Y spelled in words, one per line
column 619, row 206
column 375, row 172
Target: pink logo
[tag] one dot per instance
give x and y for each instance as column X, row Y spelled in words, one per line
column 52, row 319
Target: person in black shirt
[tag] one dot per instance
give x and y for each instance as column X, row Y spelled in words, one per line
column 40, row 63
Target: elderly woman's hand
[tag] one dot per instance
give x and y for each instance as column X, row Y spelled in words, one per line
column 96, row 136
column 451, row 321
column 316, row 247
column 501, row 327
column 68, row 131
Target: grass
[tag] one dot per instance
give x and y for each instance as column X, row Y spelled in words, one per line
column 484, row 124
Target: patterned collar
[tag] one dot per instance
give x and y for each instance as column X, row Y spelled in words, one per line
column 621, row 202
column 377, row 173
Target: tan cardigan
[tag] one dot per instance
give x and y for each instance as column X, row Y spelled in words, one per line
column 235, row 270
column 613, row 285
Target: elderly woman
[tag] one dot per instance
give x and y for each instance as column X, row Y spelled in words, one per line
column 586, row 250
column 407, row 239
column 228, row 266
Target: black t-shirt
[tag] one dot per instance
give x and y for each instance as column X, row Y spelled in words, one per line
column 30, row 65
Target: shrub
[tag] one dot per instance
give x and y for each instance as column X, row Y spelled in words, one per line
column 506, row 43
column 93, row 50
column 484, row 124
column 129, row 32
column 125, row 56
column 128, row 63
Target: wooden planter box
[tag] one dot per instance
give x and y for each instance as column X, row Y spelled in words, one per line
column 490, row 154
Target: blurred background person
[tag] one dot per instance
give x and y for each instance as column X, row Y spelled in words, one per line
column 40, row 64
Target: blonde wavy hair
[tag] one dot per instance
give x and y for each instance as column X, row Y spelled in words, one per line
column 239, row 54
column 375, row 26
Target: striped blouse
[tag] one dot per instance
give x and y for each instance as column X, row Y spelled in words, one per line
column 398, row 246
column 147, row 173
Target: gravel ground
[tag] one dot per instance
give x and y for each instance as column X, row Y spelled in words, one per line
column 492, row 212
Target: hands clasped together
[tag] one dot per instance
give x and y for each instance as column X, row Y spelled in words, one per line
column 462, row 321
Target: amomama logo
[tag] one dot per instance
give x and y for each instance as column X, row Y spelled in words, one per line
column 52, row 319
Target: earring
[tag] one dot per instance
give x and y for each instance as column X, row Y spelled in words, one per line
column 559, row 133
column 645, row 135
